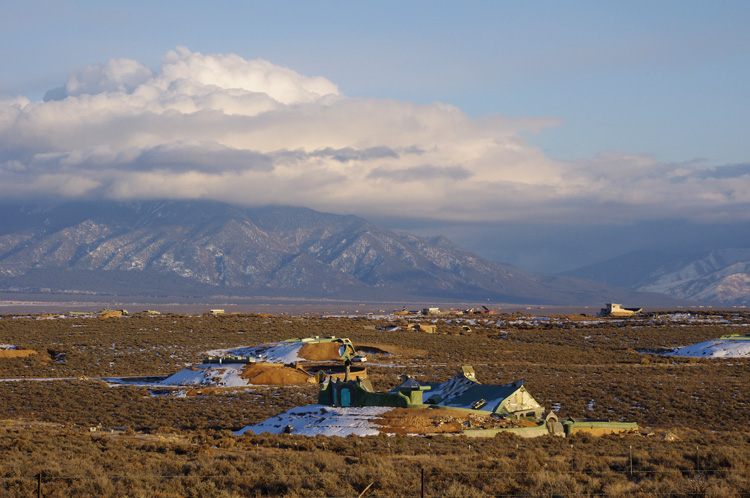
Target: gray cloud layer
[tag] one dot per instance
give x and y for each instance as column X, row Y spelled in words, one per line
column 222, row 127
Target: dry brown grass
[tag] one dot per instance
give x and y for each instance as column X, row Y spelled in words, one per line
column 215, row 463
column 16, row 353
column 705, row 403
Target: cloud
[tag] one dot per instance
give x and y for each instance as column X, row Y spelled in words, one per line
column 424, row 173
column 123, row 75
column 217, row 126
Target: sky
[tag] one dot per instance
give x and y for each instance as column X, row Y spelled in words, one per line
column 548, row 135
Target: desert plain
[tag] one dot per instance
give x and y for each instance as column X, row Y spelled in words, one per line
column 68, row 429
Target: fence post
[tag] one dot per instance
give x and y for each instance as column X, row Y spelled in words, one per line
column 631, row 461
column 697, row 460
column 422, row 494
column 39, row 485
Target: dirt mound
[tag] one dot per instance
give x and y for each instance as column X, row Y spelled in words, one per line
column 16, row 353
column 391, row 349
column 273, row 374
column 433, row 421
column 321, row 351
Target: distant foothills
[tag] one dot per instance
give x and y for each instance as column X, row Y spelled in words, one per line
column 200, row 249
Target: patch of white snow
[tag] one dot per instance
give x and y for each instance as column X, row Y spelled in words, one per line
column 717, row 348
column 312, row 420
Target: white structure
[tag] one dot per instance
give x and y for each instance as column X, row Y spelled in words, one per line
column 614, row 309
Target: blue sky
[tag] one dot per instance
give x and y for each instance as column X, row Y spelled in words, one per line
column 664, row 78
column 575, row 113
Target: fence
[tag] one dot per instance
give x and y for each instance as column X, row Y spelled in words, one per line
column 425, row 483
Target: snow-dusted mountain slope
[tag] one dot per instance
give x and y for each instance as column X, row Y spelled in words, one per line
column 721, row 276
column 192, row 248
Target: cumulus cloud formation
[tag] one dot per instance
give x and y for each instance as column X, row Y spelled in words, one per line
column 247, row 131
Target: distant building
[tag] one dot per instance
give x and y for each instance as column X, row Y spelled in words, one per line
column 423, row 327
column 484, row 310
column 614, row 309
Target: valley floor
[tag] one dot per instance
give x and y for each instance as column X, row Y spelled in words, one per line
column 89, row 438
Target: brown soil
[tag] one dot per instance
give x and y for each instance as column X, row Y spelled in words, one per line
column 16, row 353
column 391, row 349
column 110, row 314
column 322, row 351
column 275, row 374
column 435, row 421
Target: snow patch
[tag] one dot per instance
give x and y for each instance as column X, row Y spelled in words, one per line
column 209, row 374
column 279, row 352
column 716, row 348
column 312, row 420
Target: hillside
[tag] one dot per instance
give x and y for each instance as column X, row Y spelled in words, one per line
column 721, row 276
column 193, row 249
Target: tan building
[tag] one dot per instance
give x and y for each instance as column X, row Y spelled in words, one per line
column 423, row 327
column 614, row 309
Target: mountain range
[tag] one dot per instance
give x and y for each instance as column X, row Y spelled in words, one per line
column 189, row 249
column 720, row 276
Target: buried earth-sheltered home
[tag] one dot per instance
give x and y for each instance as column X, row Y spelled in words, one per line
column 463, row 395
column 461, row 392
column 291, row 362
column 460, row 406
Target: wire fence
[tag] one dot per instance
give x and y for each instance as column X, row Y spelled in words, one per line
column 424, row 483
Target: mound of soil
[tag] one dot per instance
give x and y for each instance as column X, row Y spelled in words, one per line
column 274, row 374
column 432, row 421
column 322, row 351
column 391, row 349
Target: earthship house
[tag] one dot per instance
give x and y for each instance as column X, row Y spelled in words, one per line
column 463, row 392
column 423, row 327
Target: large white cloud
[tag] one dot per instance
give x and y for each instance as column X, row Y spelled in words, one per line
column 248, row 131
